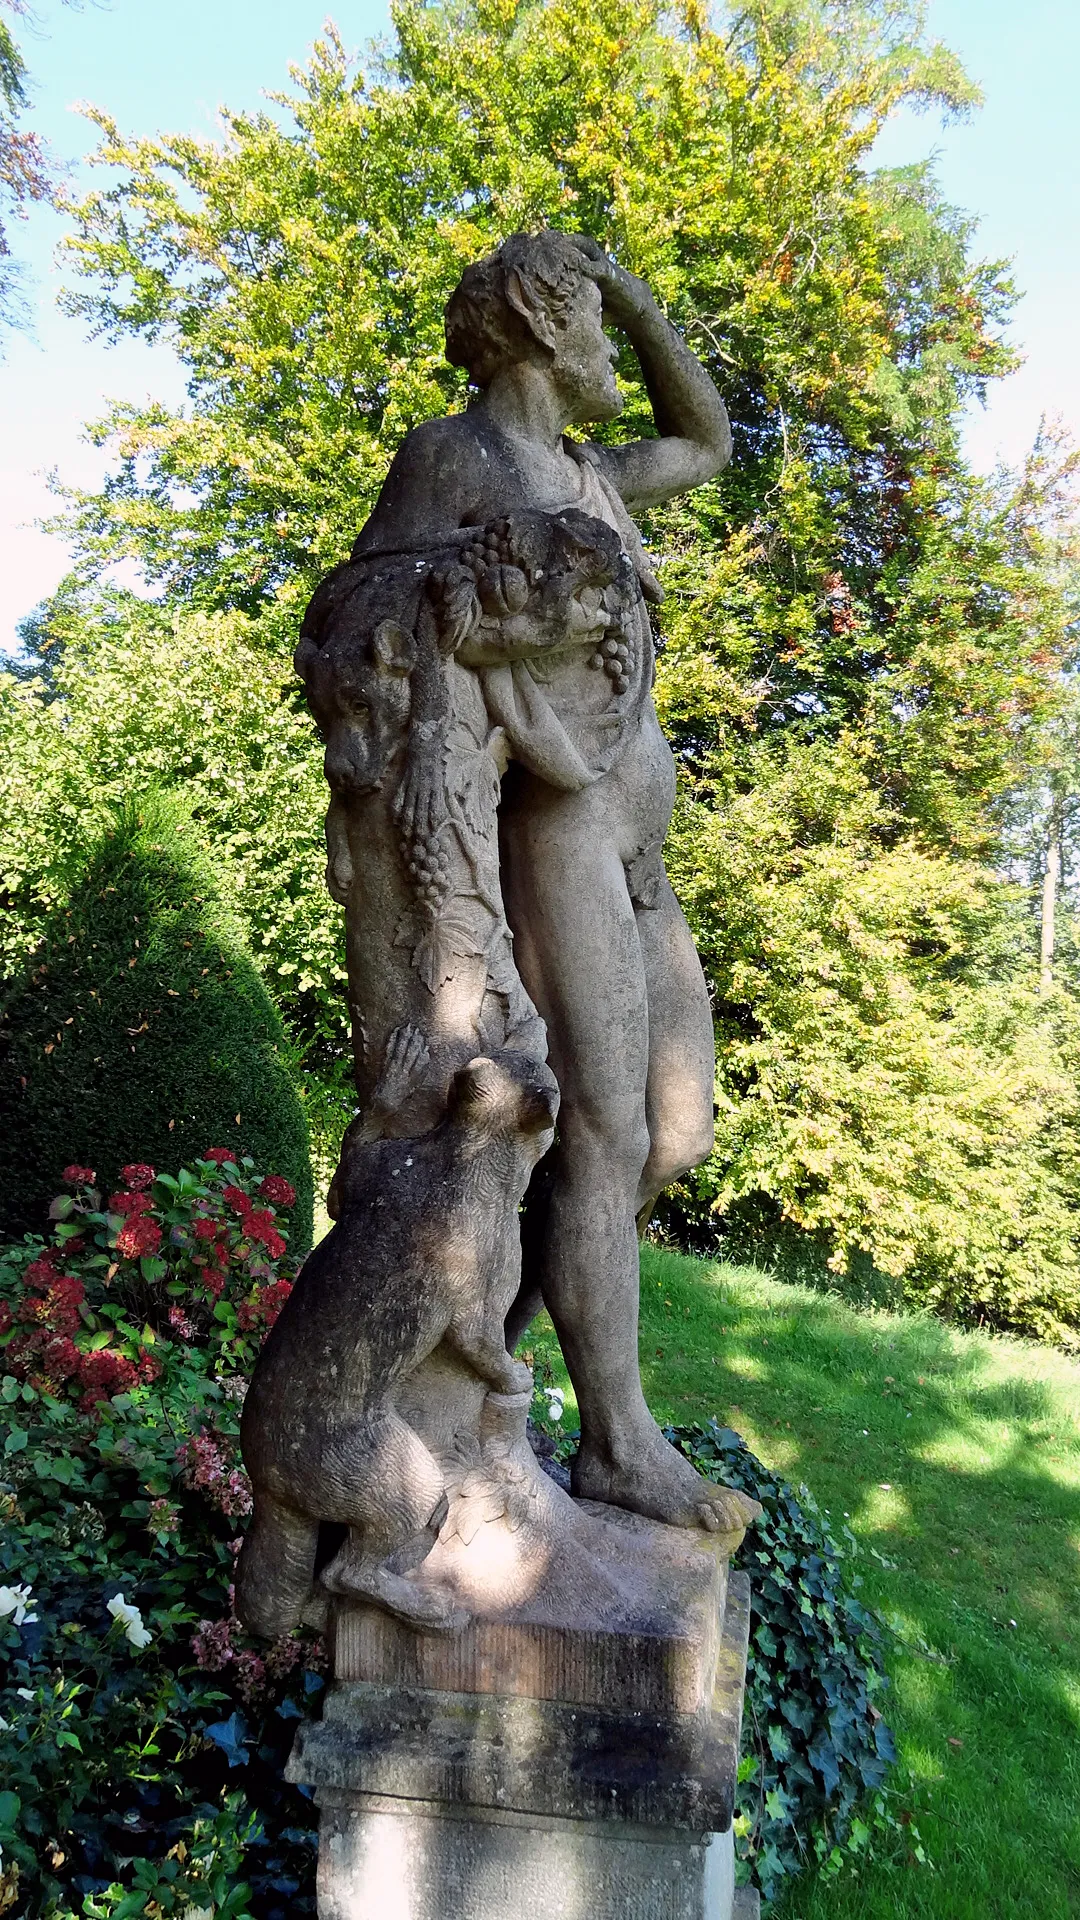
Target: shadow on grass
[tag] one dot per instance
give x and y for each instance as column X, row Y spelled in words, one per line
column 956, row 1460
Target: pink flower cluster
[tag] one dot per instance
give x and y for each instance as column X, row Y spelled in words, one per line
column 206, row 1466
column 214, row 1644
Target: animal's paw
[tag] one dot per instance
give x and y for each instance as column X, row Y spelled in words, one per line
column 420, row 1604
column 406, row 1058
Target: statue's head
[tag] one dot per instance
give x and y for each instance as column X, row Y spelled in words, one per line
column 535, row 300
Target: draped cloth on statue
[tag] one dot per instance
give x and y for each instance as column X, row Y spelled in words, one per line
column 564, row 728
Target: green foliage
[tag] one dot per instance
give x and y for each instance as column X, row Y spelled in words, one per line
column 888, row 1080
column 862, row 668
column 813, row 1779
column 144, row 1734
column 142, row 1024
column 25, row 172
column 124, row 693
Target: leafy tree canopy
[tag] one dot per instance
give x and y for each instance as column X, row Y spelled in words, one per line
column 864, row 643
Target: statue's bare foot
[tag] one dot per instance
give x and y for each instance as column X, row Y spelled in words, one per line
column 429, row 1607
column 660, row 1483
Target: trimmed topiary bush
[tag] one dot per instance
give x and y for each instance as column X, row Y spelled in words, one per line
column 142, row 1029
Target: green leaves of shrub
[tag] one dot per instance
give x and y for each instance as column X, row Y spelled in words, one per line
column 817, row 1751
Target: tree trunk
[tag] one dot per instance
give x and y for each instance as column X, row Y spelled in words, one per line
column 1051, row 880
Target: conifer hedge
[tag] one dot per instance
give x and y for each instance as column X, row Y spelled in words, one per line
column 141, row 1029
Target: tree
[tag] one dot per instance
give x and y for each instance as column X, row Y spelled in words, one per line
column 141, row 1031
column 864, row 647
column 25, row 170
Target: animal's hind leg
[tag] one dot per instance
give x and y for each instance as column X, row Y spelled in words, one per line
column 276, row 1566
column 391, row 1492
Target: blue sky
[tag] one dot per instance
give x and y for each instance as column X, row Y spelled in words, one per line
column 156, row 64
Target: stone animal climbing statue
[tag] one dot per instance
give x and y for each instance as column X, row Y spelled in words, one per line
column 425, row 1252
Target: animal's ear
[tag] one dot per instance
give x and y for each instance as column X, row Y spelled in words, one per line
column 395, row 650
column 478, row 1084
column 521, row 294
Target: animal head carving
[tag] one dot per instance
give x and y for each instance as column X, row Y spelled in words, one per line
column 506, row 1095
column 357, row 668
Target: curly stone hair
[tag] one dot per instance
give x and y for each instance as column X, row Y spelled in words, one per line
column 483, row 326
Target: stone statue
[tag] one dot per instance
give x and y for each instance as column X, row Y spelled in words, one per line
column 429, row 1228
column 481, row 672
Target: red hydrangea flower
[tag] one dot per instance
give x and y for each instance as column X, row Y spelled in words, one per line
column 205, row 1229
column 62, row 1303
column 61, row 1358
column 78, row 1176
column 237, row 1199
column 6, row 1321
column 138, row 1237
column 180, row 1323
column 102, row 1374
column 42, row 1271
column 264, row 1306
column 259, row 1226
column 129, row 1203
column 279, row 1191
column 57, row 1309
column 222, row 1156
column 137, row 1176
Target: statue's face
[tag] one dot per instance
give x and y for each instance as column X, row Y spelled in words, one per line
column 583, row 362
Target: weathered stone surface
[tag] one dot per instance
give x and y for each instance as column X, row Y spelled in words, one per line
column 646, row 1629
column 481, row 670
column 423, row 1255
column 393, row 1860
column 536, row 1757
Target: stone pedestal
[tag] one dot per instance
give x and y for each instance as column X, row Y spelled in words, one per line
column 611, row 1801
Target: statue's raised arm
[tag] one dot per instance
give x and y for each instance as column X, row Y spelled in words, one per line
column 694, row 434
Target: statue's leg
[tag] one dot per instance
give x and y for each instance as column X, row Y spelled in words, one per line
column 679, row 1092
column 385, row 1484
column 578, row 949
column 276, row 1568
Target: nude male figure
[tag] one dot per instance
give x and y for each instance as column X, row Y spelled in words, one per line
column 599, row 939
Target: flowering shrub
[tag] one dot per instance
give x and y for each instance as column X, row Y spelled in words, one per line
column 143, row 1734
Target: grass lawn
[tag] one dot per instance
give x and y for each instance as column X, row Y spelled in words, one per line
column 956, row 1460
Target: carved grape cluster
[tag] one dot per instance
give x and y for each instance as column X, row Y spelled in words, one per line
column 613, row 655
column 428, row 868
column 490, row 548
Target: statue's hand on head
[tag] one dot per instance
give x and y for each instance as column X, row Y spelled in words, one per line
column 625, row 297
